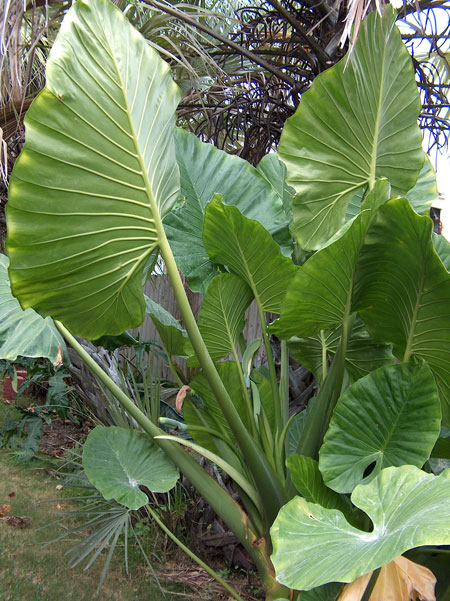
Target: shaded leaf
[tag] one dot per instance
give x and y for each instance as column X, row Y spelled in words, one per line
column 247, row 249
column 425, row 191
column 364, row 354
column 209, row 409
column 204, row 171
column 408, row 301
column 173, row 336
column 390, row 417
column 319, row 297
column 222, row 315
column 24, row 333
column 442, row 247
column 275, row 172
column 308, row 481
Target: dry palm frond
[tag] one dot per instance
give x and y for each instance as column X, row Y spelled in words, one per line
column 356, row 11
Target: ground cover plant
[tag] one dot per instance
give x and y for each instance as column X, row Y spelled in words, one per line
column 105, row 179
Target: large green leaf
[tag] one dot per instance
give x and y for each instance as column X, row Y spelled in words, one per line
column 221, row 318
column 205, row 170
column 247, row 249
column 319, row 297
column 403, row 291
column 425, row 192
column 364, row 354
column 118, row 461
column 24, row 333
column 308, row 481
column 358, row 122
column 173, row 336
column 97, row 171
column 313, row 545
column 390, row 417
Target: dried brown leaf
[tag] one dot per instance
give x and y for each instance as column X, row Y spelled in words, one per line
column 181, row 396
column 399, row 580
column 18, row 522
column 4, row 509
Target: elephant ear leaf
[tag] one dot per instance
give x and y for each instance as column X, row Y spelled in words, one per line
column 206, row 170
column 24, row 333
column 233, row 240
column 406, row 303
column 319, row 296
column 408, row 509
column 96, row 175
column 403, row 404
column 117, row 461
column 358, row 122
column 425, row 192
column 222, row 316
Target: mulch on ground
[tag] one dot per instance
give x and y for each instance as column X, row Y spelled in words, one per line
column 61, row 435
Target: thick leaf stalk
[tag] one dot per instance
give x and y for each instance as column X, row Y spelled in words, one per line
column 217, row 497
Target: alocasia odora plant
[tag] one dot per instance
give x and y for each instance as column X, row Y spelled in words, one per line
column 94, row 194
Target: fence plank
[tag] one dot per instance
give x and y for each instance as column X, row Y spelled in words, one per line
column 158, row 288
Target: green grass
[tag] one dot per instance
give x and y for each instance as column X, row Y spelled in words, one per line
column 30, row 572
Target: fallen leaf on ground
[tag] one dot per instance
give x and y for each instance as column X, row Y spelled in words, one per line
column 11, row 495
column 18, row 522
column 399, row 580
column 4, row 509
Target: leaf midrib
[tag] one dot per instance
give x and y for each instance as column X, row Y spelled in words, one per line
column 153, row 209
column 374, row 154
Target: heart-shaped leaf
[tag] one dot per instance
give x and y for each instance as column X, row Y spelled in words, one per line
column 118, row 461
column 390, row 417
column 24, row 333
column 407, row 302
column 358, row 122
column 313, row 545
column 95, row 177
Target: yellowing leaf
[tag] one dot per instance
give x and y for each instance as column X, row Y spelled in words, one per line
column 399, row 580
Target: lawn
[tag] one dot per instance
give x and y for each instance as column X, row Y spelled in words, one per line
column 31, row 572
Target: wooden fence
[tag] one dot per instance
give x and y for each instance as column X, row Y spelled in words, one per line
column 158, row 288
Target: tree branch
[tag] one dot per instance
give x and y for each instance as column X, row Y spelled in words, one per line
column 243, row 51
